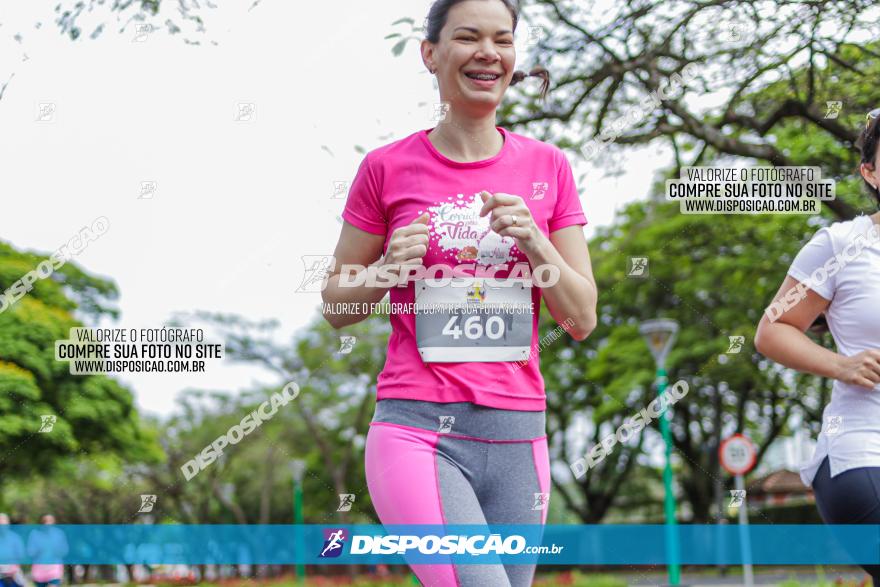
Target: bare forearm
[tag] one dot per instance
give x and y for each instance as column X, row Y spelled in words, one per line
column 790, row 347
column 339, row 301
column 572, row 296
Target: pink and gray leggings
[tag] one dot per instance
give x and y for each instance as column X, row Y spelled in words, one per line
column 483, row 466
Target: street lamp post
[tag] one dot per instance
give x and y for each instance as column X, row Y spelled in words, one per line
column 660, row 335
column 227, row 491
column 297, row 468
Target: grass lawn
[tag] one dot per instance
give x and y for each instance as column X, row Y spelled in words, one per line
column 574, row 578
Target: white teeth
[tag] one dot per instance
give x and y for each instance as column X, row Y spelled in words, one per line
column 483, row 76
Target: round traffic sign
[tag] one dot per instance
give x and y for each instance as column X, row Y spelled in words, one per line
column 737, row 454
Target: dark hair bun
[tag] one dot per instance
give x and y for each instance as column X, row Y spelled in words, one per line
column 540, row 72
column 867, row 144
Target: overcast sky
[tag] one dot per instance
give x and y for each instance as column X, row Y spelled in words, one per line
column 236, row 203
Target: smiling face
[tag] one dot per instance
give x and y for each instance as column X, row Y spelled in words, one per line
column 474, row 59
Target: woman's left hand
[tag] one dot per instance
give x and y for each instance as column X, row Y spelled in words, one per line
column 511, row 217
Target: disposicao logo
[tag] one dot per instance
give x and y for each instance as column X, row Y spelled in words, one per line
column 334, row 540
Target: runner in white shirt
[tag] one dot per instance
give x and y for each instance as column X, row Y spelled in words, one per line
column 838, row 273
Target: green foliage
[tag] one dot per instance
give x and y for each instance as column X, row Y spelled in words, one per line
column 67, row 15
column 100, row 489
column 325, row 425
column 94, row 413
column 800, row 139
column 714, row 275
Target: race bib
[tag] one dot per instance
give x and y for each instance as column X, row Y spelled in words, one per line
column 473, row 319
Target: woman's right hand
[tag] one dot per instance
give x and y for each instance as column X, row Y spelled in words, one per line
column 408, row 244
column 862, row 369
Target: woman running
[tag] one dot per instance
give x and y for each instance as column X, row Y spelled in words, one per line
column 458, row 435
column 838, row 273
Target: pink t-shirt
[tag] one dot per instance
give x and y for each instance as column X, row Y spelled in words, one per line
column 46, row 573
column 394, row 185
column 47, row 541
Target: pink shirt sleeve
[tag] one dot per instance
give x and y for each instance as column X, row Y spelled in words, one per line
column 363, row 207
column 568, row 208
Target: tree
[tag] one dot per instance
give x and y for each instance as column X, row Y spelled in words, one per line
column 771, row 66
column 714, row 278
column 768, row 69
column 87, row 415
column 773, row 76
column 184, row 17
column 70, row 15
column 336, row 400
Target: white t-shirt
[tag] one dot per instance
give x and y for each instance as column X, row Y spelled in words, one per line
column 850, row 434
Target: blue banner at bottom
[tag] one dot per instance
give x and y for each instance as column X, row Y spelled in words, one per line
column 438, row 544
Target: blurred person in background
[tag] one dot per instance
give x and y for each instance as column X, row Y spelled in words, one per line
column 11, row 549
column 49, row 543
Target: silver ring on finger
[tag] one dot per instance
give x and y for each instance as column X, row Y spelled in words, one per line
column 514, row 219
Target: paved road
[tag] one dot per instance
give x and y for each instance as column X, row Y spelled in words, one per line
column 806, row 576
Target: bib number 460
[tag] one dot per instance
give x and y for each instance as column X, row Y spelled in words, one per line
column 473, row 328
